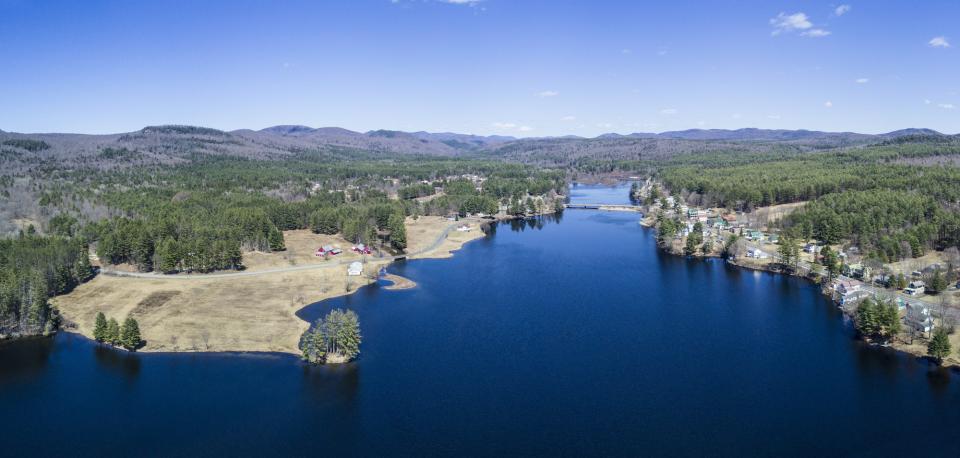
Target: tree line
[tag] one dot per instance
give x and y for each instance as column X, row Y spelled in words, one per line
column 32, row 269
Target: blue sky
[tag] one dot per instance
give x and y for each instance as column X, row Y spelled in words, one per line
column 524, row 68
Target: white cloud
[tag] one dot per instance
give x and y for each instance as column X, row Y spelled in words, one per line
column 946, row 106
column 736, row 116
column 461, row 2
column 927, row 101
column 862, row 80
column 796, row 22
column 662, row 52
column 510, row 126
column 669, row 111
column 790, row 23
column 626, row 51
column 568, row 118
column 701, row 123
column 604, row 125
column 841, row 10
column 548, row 94
column 939, row 42
column 815, row 33
column 773, row 116
column 828, row 104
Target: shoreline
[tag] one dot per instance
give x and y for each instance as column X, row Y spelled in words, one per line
column 253, row 312
column 895, row 344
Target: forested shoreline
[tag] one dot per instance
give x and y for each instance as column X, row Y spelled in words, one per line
column 178, row 205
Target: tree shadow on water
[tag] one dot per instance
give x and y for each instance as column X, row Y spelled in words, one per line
column 117, row 361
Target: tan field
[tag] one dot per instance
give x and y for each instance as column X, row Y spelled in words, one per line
column 253, row 311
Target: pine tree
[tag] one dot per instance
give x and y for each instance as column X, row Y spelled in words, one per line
column 938, row 282
column 275, row 238
column 100, row 328
column 113, row 332
column 939, row 346
column 867, row 318
column 82, row 269
column 398, row 233
column 130, row 334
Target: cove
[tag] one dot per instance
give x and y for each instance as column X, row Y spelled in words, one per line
column 569, row 336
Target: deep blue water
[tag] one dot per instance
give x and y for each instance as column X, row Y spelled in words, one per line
column 567, row 338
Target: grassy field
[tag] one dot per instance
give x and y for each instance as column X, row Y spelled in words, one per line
column 249, row 313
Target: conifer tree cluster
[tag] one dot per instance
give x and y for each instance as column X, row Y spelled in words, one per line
column 335, row 337
column 111, row 332
column 32, row 269
column 877, row 319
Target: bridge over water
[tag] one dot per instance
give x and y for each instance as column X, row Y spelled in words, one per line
column 605, row 207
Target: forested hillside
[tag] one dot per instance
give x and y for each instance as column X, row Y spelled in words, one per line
column 190, row 199
column 884, row 198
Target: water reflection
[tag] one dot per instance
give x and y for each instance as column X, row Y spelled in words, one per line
column 117, row 361
column 24, row 359
column 335, row 382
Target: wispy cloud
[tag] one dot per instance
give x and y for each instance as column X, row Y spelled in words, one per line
column 841, row 10
column 815, row 33
column 946, row 106
column 626, row 51
column 568, row 118
column 543, row 94
column 862, row 80
column 669, row 111
column 828, row 104
column 461, row 2
column 938, row 42
column 510, row 126
column 773, row 116
column 796, row 22
column 790, row 23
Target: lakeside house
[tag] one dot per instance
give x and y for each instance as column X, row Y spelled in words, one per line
column 355, row 269
column 919, row 318
column 848, row 291
column 463, row 228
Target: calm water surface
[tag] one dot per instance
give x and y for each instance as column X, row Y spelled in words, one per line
column 572, row 337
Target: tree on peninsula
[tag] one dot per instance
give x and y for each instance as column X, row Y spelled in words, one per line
column 130, row 334
column 113, row 332
column 333, row 338
column 100, row 328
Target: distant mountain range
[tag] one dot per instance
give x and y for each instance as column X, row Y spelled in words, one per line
column 172, row 144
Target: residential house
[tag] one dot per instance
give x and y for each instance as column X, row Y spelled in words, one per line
column 918, row 317
column 846, row 286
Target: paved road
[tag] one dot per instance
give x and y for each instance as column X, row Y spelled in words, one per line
column 325, row 265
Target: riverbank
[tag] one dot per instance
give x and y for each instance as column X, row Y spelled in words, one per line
column 249, row 311
column 915, row 346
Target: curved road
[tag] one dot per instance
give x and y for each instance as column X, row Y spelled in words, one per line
column 326, row 265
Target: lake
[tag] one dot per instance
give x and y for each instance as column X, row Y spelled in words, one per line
column 564, row 336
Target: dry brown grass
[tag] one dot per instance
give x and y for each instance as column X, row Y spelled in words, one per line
column 249, row 313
